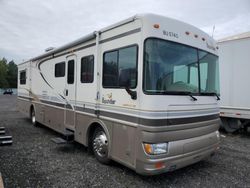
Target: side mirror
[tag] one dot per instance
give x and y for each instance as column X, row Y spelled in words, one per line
column 124, row 81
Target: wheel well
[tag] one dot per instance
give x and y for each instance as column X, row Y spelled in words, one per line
column 91, row 131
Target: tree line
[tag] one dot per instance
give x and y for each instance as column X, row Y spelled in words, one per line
column 8, row 74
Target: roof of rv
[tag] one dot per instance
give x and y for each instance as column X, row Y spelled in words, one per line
column 91, row 36
column 236, row 37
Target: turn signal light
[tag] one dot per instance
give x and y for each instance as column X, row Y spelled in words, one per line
column 148, row 148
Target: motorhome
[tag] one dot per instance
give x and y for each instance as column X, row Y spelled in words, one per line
column 234, row 64
column 142, row 92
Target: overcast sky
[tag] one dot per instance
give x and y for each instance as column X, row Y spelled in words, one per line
column 27, row 27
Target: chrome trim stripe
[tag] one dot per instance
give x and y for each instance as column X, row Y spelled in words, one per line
column 68, row 106
column 53, row 103
column 161, row 114
column 158, row 122
column 139, row 120
column 148, row 114
column 87, row 110
column 24, row 97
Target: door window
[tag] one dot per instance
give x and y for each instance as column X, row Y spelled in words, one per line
column 71, row 71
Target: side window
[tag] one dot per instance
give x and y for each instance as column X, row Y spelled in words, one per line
column 71, row 71
column 60, row 69
column 120, row 68
column 203, row 73
column 87, row 69
column 110, row 69
column 22, row 77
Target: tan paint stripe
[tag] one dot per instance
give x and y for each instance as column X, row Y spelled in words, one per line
column 1, row 181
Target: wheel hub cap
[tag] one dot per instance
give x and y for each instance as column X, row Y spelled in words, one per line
column 101, row 144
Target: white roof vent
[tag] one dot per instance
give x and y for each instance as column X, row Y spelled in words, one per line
column 49, row 49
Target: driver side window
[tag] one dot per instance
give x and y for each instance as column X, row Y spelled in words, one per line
column 120, row 68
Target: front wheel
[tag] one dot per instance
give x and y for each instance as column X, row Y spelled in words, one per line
column 100, row 145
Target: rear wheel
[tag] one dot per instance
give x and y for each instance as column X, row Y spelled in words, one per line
column 33, row 117
column 100, row 145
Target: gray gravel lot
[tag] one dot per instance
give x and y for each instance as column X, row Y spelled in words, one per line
column 34, row 161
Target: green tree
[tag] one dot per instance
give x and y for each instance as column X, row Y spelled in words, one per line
column 12, row 74
column 8, row 74
column 3, row 73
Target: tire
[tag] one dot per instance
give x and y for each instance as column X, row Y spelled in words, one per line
column 33, row 117
column 230, row 125
column 100, row 145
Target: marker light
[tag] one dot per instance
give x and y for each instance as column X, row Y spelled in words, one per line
column 196, row 36
column 187, row 33
column 159, row 165
column 155, row 149
column 203, row 39
column 157, row 26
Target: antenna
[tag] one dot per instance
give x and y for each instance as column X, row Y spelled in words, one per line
column 213, row 31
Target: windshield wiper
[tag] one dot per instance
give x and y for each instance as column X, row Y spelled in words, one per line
column 190, row 95
column 211, row 94
column 179, row 93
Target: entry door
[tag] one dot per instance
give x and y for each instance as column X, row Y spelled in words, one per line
column 70, row 92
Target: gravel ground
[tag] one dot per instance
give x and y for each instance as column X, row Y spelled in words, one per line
column 34, row 161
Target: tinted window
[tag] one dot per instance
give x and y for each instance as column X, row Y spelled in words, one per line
column 23, row 77
column 120, row 68
column 209, row 72
column 71, row 71
column 60, row 69
column 110, row 69
column 87, row 69
column 170, row 67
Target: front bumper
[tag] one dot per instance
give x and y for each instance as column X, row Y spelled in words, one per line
column 190, row 155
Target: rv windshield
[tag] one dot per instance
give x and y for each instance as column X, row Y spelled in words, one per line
column 173, row 68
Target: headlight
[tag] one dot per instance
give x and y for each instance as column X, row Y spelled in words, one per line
column 154, row 149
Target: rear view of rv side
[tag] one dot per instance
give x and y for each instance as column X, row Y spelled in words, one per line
column 234, row 77
column 142, row 92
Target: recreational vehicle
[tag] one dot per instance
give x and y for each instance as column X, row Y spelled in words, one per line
column 142, row 92
column 234, row 73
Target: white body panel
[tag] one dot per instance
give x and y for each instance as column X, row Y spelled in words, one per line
column 234, row 73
